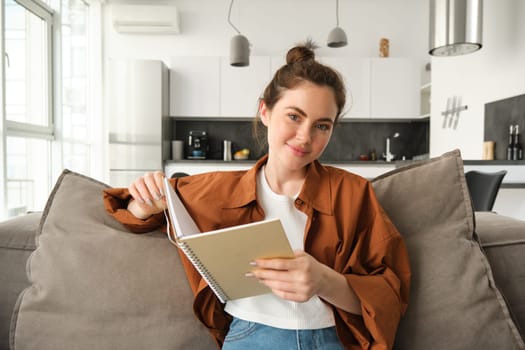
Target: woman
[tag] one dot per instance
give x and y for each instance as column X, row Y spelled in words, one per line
column 347, row 286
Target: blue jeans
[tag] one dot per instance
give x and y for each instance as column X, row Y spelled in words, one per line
column 245, row 335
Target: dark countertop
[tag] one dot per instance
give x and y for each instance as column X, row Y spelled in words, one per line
column 493, row 162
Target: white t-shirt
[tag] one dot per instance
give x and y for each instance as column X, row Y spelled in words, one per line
column 270, row 309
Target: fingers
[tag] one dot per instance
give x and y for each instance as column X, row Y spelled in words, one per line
column 281, row 285
column 294, row 279
column 153, row 182
column 301, row 259
column 147, row 189
column 275, row 264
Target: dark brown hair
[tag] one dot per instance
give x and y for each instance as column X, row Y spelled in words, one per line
column 300, row 67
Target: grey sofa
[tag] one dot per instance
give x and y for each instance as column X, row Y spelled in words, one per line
column 94, row 285
column 503, row 240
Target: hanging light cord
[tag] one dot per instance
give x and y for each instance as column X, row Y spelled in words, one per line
column 336, row 12
column 229, row 21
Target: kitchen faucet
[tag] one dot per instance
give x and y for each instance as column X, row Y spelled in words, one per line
column 388, row 155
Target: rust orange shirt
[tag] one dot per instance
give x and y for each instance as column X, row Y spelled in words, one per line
column 346, row 229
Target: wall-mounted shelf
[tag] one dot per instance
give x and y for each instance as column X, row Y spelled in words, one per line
column 425, row 93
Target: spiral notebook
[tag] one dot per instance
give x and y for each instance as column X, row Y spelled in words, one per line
column 223, row 256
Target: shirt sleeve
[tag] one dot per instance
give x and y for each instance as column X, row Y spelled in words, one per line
column 116, row 202
column 378, row 272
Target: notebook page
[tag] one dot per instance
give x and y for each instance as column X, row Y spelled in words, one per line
column 181, row 220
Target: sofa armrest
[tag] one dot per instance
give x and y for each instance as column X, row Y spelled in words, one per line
column 503, row 240
column 17, row 242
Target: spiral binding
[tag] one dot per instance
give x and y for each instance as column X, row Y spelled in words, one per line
column 204, row 272
column 219, row 292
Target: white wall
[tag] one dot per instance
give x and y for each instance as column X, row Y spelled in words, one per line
column 495, row 72
column 273, row 26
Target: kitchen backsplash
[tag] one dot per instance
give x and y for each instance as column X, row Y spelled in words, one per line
column 499, row 115
column 350, row 140
column 353, row 139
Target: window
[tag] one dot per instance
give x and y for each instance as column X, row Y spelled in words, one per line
column 46, row 124
column 28, row 103
column 28, row 67
column 76, row 122
column 27, row 183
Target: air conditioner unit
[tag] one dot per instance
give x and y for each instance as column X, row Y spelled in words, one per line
column 145, row 19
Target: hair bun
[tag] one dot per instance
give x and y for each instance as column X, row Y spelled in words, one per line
column 300, row 53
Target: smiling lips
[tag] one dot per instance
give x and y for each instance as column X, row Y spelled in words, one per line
column 298, row 151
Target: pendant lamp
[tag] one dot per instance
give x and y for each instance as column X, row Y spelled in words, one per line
column 337, row 37
column 455, row 27
column 239, row 46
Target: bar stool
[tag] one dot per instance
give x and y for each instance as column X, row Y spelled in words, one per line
column 483, row 188
column 179, row 174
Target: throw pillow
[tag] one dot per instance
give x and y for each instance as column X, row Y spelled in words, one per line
column 454, row 302
column 503, row 242
column 94, row 285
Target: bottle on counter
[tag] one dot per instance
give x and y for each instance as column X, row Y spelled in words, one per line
column 517, row 148
column 510, row 146
column 372, row 155
column 227, row 150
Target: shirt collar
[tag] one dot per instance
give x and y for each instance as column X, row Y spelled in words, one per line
column 316, row 191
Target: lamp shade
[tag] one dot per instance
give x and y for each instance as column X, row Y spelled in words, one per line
column 455, row 27
column 337, row 38
column 239, row 51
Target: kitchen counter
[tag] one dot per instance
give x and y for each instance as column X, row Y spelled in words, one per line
column 515, row 177
column 252, row 161
column 360, row 162
column 395, row 163
column 510, row 200
column 367, row 169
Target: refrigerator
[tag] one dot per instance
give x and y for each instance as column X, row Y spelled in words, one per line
column 138, row 108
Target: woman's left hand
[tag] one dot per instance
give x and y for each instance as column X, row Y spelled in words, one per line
column 296, row 279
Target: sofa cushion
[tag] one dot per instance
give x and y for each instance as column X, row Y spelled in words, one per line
column 503, row 240
column 17, row 241
column 94, row 285
column 454, row 302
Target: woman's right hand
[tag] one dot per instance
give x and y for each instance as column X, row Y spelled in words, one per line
column 147, row 192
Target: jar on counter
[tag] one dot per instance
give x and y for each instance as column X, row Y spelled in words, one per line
column 372, row 155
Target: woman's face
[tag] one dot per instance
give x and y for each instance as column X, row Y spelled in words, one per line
column 300, row 125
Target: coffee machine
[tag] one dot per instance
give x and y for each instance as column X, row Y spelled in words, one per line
column 197, row 144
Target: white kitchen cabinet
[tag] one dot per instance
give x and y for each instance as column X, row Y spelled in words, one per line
column 356, row 76
column 241, row 87
column 210, row 87
column 394, row 88
column 195, row 86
